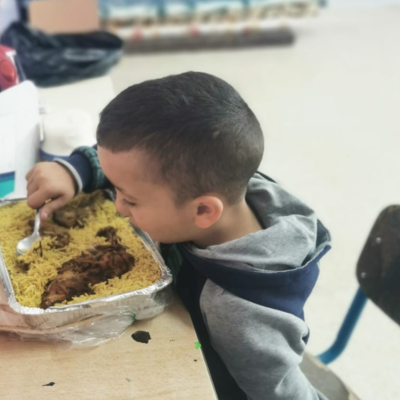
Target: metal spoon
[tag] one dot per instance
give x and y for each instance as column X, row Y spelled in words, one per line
column 25, row 244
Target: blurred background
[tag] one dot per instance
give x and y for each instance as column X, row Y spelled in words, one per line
column 324, row 81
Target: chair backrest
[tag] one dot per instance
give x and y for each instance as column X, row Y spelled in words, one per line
column 378, row 268
column 378, row 273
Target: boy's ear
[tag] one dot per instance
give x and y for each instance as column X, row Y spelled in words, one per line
column 208, row 211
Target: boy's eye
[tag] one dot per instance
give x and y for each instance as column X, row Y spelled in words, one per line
column 128, row 203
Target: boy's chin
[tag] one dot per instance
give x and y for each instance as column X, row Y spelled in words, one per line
column 167, row 240
column 164, row 240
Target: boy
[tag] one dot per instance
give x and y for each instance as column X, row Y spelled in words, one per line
column 182, row 154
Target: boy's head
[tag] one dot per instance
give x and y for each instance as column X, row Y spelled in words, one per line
column 194, row 133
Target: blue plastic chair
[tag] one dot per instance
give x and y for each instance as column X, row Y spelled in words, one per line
column 378, row 273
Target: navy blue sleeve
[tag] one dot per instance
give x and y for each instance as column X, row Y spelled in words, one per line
column 85, row 167
column 82, row 167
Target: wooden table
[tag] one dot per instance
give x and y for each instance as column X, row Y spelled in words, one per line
column 169, row 367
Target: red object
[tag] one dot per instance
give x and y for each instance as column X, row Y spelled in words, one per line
column 137, row 35
column 8, row 69
column 194, row 31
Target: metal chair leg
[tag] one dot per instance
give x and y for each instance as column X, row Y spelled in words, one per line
column 346, row 329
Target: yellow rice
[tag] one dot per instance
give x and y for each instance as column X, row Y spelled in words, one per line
column 29, row 285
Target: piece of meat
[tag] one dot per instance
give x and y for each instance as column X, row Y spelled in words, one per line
column 24, row 266
column 97, row 196
column 92, row 266
column 48, row 229
column 74, row 216
column 70, row 217
column 110, row 234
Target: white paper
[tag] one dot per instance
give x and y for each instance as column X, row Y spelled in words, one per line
column 8, row 143
column 8, row 146
column 19, row 131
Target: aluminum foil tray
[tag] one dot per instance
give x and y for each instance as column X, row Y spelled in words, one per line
column 140, row 303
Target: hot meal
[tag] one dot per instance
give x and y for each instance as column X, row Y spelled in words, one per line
column 87, row 251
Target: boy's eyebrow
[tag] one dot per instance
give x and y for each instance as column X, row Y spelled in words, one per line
column 120, row 190
column 127, row 195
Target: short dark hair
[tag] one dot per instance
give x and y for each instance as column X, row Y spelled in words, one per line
column 203, row 135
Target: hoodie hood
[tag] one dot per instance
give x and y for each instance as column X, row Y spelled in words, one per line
column 292, row 234
column 276, row 267
column 246, row 297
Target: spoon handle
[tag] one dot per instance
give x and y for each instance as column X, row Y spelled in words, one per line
column 37, row 222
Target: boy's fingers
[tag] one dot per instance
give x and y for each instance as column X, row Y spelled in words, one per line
column 52, row 206
column 31, row 187
column 36, row 199
column 29, row 174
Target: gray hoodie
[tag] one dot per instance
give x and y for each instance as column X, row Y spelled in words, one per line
column 246, row 297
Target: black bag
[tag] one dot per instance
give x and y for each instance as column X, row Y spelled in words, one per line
column 50, row 60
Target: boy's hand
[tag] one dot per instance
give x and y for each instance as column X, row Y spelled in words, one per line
column 49, row 181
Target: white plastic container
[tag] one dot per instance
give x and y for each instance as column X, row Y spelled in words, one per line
column 64, row 131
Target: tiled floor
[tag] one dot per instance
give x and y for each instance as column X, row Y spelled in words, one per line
column 329, row 107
